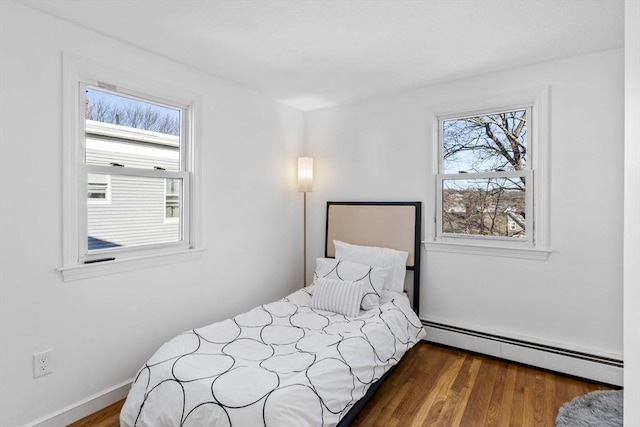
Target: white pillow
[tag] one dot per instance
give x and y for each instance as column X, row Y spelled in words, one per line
column 339, row 296
column 377, row 257
column 372, row 278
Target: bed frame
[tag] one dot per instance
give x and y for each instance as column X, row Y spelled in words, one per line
column 396, row 225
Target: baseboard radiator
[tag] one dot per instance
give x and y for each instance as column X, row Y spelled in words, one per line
column 593, row 367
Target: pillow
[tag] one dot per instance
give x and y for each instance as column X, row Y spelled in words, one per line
column 372, row 278
column 377, row 257
column 338, row 296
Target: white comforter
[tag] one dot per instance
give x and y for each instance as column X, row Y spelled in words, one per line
column 280, row 364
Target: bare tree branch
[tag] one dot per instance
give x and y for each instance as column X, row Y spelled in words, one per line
column 134, row 116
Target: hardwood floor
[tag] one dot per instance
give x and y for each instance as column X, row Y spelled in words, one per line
column 108, row 417
column 442, row 386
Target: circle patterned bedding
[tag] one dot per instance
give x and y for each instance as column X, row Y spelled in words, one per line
column 280, row 364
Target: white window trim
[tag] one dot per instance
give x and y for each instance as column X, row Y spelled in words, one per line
column 74, row 71
column 538, row 247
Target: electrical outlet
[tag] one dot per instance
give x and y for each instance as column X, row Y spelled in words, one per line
column 42, row 363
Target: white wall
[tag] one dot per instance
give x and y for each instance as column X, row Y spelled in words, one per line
column 381, row 150
column 632, row 216
column 101, row 330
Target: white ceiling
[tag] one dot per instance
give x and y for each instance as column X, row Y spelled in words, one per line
column 314, row 54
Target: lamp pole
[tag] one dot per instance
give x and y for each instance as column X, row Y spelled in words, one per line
column 304, row 232
column 305, row 184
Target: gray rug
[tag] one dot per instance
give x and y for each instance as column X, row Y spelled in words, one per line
column 595, row 409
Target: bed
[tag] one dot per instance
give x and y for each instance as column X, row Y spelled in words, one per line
column 313, row 358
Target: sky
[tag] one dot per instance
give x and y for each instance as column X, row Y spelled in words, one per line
column 94, row 95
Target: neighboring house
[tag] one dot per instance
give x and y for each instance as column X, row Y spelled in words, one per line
column 128, row 210
column 472, row 212
column 515, row 222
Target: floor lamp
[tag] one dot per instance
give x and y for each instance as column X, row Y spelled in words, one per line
column 305, row 183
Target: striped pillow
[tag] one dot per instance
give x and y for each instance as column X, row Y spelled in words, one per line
column 372, row 278
column 338, row 296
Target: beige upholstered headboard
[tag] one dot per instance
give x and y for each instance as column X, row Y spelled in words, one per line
column 395, row 225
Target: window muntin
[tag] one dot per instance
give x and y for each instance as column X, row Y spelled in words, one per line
column 484, row 179
column 140, row 144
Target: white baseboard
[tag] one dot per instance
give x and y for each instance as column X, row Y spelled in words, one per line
column 85, row 407
column 608, row 370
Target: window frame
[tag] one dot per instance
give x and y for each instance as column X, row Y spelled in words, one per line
column 77, row 262
column 536, row 245
column 441, row 176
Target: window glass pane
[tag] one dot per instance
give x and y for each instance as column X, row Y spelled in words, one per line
column 487, row 143
column 98, row 187
column 484, row 207
column 131, row 132
column 172, row 198
column 135, row 216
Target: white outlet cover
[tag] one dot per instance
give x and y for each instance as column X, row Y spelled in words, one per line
column 42, row 363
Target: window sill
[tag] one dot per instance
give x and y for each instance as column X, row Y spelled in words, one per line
column 487, row 250
column 84, row 271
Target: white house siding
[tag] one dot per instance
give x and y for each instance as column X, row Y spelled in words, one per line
column 135, row 212
column 135, row 215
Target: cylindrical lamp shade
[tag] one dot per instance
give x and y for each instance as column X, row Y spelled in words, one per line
column 305, row 174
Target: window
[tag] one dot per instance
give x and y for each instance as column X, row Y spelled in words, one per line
column 129, row 192
column 490, row 180
column 172, row 199
column 99, row 189
column 137, row 144
column 482, row 182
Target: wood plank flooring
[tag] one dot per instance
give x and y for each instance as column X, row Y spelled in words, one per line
column 441, row 386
